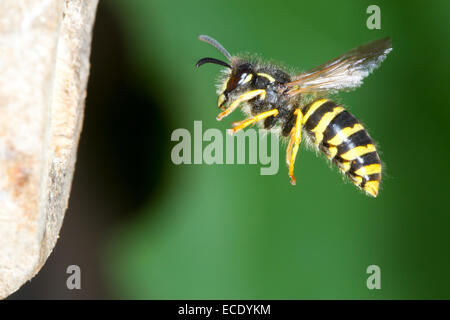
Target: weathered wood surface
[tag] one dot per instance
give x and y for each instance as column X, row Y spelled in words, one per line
column 44, row 67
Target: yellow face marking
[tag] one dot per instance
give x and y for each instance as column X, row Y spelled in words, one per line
column 314, row 107
column 324, row 122
column 344, row 134
column 224, row 86
column 370, row 169
column 220, row 100
column 242, row 98
column 371, row 187
column 358, row 152
column 267, row 76
column 247, row 78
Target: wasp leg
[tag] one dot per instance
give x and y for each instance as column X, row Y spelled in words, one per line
column 289, row 149
column 244, row 97
column 245, row 123
column 294, row 143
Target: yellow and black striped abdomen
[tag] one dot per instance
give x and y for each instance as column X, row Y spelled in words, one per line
column 341, row 137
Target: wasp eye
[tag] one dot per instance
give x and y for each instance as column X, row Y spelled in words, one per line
column 241, row 75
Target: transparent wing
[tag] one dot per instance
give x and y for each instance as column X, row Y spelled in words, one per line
column 345, row 72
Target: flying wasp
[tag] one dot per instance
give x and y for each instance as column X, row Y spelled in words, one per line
column 294, row 103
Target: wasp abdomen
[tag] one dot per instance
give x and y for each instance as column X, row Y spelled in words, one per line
column 342, row 138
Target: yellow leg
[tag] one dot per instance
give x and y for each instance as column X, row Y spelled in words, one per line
column 244, row 97
column 296, row 138
column 245, row 123
column 289, row 148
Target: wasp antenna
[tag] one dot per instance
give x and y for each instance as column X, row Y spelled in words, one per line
column 212, row 60
column 215, row 44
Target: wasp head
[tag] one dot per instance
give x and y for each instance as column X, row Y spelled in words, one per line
column 240, row 72
column 240, row 76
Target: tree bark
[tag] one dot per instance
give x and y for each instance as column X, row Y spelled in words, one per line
column 44, row 67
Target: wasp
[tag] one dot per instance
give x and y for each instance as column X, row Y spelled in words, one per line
column 296, row 106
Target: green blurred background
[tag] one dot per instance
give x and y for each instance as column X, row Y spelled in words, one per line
column 142, row 227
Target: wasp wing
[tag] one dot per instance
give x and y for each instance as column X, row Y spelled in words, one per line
column 345, row 72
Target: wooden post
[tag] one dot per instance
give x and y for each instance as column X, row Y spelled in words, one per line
column 44, row 67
